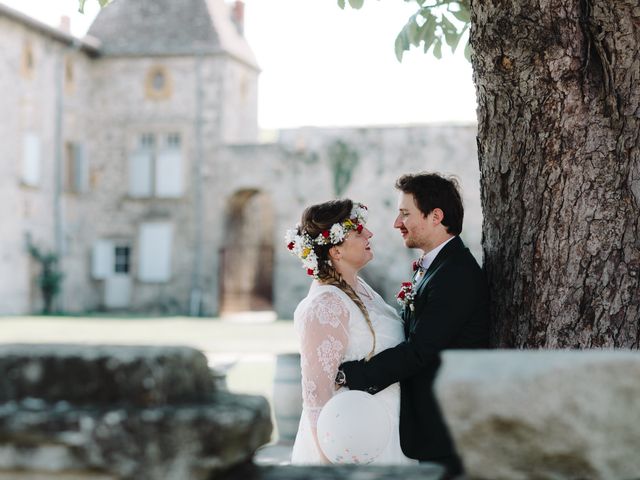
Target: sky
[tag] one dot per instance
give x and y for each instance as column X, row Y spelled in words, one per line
column 323, row 66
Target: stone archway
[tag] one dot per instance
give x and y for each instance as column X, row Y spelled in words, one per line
column 246, row 256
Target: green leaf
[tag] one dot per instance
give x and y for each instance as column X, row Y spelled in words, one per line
column 463, row 15
column 451, row 34
column 357, row 4
column 468, row 51
column 437, row 48
column 429, row 32
column 103, row 3
column 341, row 4
column 447, row 26
column 414, row 32
column 402, row 43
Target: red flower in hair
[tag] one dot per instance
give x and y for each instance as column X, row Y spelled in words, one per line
column 325, row 233
column 309, row 271
column 291, row 245
column 359, row 228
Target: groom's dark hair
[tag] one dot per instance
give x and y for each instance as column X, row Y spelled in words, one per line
column 432, row 190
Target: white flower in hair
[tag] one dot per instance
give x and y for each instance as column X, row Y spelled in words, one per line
column 360, row 212
column 290, row 234
column 337, row 233
column 321, row 240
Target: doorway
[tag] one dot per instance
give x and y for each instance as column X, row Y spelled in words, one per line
column 246, row 257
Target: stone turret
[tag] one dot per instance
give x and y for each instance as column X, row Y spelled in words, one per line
column 170, row 28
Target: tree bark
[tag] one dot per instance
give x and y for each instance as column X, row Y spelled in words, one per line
column 558, row 87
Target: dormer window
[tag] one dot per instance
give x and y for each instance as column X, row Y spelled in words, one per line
column 158, row 83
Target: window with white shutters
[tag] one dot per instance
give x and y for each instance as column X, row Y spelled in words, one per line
column 110, row 258
column 156, row 167
column 31, row 159
column 76, row 168
column 155, row 249
column 102, row 259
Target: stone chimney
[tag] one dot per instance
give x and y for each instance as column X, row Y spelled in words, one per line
column 237, row 15
column 65, row 24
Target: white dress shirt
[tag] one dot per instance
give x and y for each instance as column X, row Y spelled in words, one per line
column 428, row 259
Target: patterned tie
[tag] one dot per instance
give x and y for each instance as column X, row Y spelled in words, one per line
column 419, row 272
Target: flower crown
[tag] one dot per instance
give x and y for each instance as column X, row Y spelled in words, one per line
column 302, row 245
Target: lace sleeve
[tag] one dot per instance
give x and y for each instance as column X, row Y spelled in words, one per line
column 323, row 341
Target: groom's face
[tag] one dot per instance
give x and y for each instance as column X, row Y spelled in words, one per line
column 414, row 226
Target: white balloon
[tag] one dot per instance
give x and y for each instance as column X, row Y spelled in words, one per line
column 353, row 427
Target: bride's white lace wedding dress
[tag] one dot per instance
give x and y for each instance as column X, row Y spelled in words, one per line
column 332, row 330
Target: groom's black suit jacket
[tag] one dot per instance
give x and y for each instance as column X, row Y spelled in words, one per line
column 450, row 312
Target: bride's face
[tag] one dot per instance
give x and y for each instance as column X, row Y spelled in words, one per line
column 355, row 251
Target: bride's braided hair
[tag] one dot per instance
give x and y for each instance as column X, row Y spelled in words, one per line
column 319, row 218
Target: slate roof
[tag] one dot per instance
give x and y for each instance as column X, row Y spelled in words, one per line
column 88, row 44
column 168, row 28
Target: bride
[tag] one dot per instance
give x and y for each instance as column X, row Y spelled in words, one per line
column 341, row 318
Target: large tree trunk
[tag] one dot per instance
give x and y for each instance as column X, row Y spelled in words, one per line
column 558, row 85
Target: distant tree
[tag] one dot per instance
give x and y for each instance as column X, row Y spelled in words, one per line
column 50, row 277
column 559, row 154
column 342, row 160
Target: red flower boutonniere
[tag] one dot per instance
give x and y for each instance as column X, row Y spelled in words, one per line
column 405, row 295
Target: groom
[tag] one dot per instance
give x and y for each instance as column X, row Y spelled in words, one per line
column 449, row 311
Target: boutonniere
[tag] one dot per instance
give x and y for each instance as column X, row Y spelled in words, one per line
column 405, row 295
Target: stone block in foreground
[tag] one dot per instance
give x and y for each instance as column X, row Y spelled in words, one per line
column 104, row 375
column 543, row 414
column 121, row 412
column 338, row 472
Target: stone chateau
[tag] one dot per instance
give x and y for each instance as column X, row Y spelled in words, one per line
column 134, row 155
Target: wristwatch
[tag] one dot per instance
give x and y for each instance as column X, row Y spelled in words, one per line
column 341, row 378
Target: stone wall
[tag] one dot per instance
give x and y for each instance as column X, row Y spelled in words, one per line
column 29, row 103
column 88, row 412
column 293, row 173
column 14, row 289
column 297, row 171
